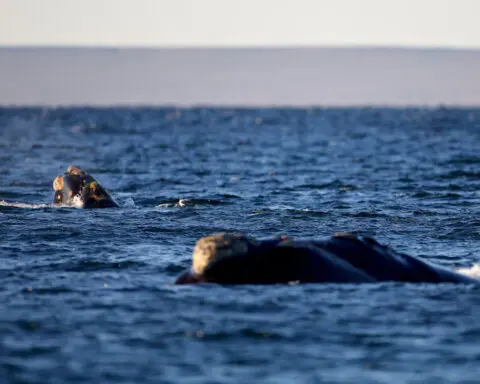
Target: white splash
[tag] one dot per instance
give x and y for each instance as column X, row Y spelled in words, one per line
column 77, row 202
column 180, row 203
column 129, row 203
column 15, row 204
column 184, row 202
column 473, row 271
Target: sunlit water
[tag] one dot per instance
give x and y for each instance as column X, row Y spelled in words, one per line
column 87, row 295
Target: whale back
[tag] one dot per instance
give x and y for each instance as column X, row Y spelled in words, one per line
column 344, row 258
column 386, row 264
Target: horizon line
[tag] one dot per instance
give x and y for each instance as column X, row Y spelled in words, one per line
column 306, row 106
column 244, row 47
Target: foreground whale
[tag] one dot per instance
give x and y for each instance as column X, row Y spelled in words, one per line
column 79, row 189
column 344, row 258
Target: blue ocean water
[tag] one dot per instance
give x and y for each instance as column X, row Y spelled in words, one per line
column 87, row 295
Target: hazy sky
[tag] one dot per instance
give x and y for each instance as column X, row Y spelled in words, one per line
column 452, row 23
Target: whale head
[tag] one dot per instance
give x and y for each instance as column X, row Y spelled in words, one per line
column 77, row 188
column 230, row 258
column 215, row 255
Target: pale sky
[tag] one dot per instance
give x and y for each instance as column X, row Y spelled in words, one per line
column 446, row 23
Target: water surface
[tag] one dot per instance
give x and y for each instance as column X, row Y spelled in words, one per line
column 87, row 295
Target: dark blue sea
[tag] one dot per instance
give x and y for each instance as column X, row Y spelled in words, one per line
column 87, row 295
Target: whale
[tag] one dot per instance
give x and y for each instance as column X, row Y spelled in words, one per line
column 234, row 259
column 77, row 188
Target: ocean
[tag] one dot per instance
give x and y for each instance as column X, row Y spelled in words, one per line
column 87, row 295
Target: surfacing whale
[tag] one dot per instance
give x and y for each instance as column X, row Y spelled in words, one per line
column 79, row 189
column 231, row 258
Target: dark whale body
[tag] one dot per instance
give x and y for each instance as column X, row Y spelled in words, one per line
column 343, row 258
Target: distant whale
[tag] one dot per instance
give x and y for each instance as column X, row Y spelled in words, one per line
column 228, row 258
column 77, row 188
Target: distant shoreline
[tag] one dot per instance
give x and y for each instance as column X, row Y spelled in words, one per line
column 51, row 76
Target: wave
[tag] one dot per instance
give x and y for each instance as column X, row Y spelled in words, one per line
column 15, row 204
column 128, row 203
column 191, row 203
column 77, row 203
